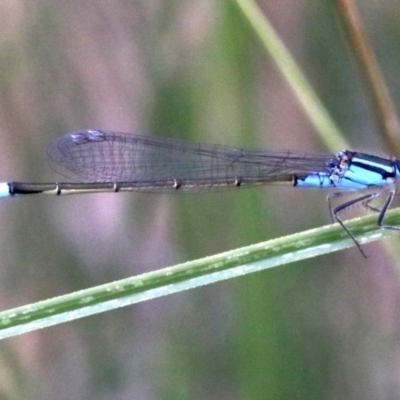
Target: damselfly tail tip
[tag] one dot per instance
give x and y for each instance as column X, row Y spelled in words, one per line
column 4, row 189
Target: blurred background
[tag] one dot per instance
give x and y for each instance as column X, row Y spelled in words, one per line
column 326, row 328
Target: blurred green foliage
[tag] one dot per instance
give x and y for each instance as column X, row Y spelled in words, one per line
column 326, row 328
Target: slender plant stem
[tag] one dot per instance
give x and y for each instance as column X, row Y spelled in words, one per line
column 309, row 100
column 151, row 285
column 384, row 110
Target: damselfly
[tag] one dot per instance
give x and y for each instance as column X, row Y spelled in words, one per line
column 104, row 161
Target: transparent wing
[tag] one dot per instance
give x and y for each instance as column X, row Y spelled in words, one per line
column 102, row 156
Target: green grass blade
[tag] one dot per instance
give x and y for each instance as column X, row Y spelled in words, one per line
column 192, row 274
column 309, row 100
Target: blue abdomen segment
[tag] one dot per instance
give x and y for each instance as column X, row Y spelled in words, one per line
column 323, row 181
column 360, row 178
column 318, row 180
column 365, row 171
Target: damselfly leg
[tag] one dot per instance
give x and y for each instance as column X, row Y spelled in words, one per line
column 364, row 201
